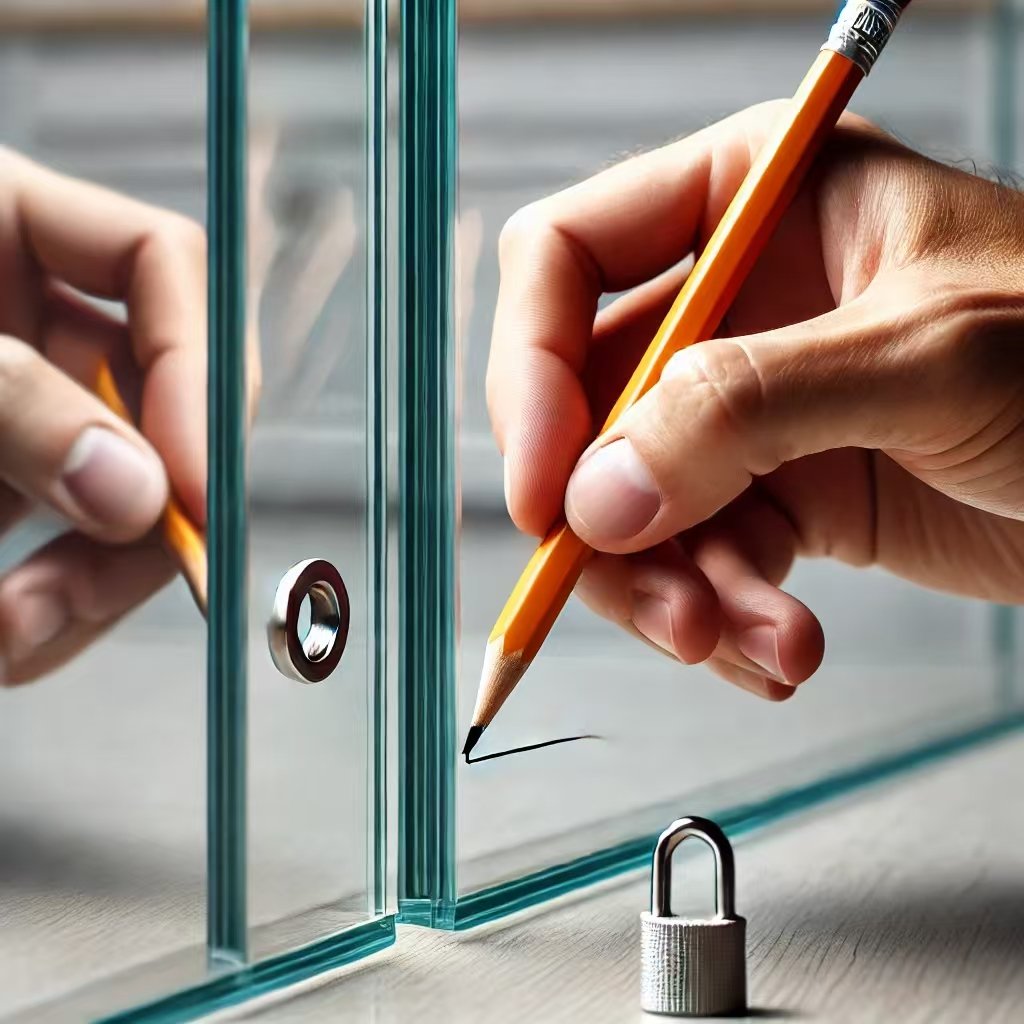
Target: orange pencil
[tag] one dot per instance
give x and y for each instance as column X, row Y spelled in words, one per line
column 183, row 538
column 853, row 46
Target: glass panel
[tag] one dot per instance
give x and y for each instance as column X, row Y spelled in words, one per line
column 102, row 807
column 908, row 673
column 106, row 874
column 315, row 479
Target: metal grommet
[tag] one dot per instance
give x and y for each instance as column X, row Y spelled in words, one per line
column 313, row 657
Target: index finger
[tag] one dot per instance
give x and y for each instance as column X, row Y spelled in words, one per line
column 112, row 246
column 557, row 256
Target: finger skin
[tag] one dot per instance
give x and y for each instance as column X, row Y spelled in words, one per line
column 661, row 594
column 111, row 246
column 932, row 379
column 619, row 230
column 67, row 595
column 724, row 587
column 759, row 686
column 615, row 231
column 753, row 606
column 884, row 320
column 44, row 415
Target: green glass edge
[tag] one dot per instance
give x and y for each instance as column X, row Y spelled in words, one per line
column 375, row 49
column 489, row 904
column 1003, row 42
column 427, row 462
column 228, row 989
column 227, row 501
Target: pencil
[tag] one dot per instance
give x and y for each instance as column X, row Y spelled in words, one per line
column 182, row 537
column 858, row 36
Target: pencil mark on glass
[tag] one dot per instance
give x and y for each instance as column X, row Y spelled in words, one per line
column 529, row 746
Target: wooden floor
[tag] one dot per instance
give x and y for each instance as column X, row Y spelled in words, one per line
column 906, row 905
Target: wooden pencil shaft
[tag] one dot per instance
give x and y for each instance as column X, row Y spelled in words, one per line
column 183, row 538
column 737, row 242
column 748, row 222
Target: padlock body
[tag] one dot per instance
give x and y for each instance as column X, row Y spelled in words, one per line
column 693, row 968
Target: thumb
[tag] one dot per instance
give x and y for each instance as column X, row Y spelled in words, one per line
column 61, row 446
column 726, row 411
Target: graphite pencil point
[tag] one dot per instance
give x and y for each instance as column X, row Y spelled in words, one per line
column 472, row 739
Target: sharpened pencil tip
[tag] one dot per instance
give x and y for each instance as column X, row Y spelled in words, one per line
column 472, row 739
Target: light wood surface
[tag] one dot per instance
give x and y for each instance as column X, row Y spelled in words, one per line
column 904, row 904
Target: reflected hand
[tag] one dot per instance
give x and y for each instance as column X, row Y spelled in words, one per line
column 61, row 239
column 864, row 399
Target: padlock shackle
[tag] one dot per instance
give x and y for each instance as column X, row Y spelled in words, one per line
column 725, row 869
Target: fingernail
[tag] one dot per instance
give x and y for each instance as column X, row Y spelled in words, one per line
column 112, row 481
column 761, row 645
column 651, row 615
column 612, row 493
column 767, row 689
column 40, row 618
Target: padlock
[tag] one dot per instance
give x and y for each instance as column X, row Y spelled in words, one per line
column 693, row 968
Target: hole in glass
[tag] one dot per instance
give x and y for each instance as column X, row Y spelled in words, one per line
column 318, row 621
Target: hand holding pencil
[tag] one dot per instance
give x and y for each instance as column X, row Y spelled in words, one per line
column 855, row 348
column 62, row 447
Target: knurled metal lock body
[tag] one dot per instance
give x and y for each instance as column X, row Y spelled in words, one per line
column 693, row 968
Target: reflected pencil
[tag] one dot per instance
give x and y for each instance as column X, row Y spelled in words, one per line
column 854, row 44
column 182, row 537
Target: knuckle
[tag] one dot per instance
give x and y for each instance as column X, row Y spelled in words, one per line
column 12, row 162
column 175, row 234
column 721, row 380
column 860, row 123
column 191, row 235
column 522, row 230
column 765, row 111
column 8, row 161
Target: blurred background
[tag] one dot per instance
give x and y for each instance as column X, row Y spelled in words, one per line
column 102, row 802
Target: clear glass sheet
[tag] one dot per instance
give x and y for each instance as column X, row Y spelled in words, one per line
column 170, row 848
column 102, row 805
column 542, row 104
column 314, row 477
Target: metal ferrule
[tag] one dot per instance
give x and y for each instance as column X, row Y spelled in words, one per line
column 862, row 30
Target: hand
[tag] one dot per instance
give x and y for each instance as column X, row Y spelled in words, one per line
column 61, row 239
column 864, row 400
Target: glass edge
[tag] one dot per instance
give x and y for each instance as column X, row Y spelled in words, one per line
column 375, row 50
column 227, row 630
column 486, row 905
column 231, row 988
column 426, row 464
